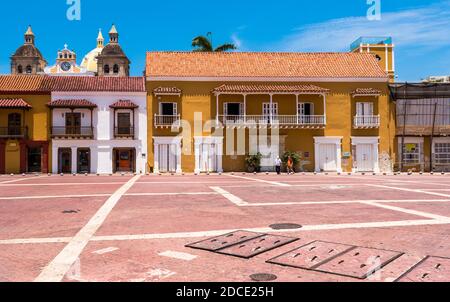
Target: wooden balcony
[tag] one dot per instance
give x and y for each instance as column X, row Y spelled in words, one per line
column 167, row 121
column 72, row 132
column 366, row 122
column 13, row 132
column 283, row 121
column 124, row 132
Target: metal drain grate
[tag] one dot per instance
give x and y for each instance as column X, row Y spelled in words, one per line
column 224, row 241
column 263, row 277
column 359, row 263
column 71, row 211
column 285, row 226
column 311, row 255
column 430, row 269
column 256, row 246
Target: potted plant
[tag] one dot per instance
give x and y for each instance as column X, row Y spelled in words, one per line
column 253, row 162
column 296, row 158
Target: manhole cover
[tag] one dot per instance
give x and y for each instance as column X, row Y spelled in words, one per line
column 286, row 226
column 71, row 211
column 263, row 277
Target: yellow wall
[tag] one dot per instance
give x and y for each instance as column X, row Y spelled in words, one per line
column 37, row 119
column 340, row 105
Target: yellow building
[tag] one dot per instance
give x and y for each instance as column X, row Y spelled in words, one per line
column 24, row 119
column 210, row 110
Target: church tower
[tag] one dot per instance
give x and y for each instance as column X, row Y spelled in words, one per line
column 28, row 59
column 112, row 61
column 382, row 48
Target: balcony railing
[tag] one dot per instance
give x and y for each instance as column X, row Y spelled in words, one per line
column 72, row 132
column 124, row 132
column 303, row 121
column 367, row 121
column 13, row 132
column 167, row 120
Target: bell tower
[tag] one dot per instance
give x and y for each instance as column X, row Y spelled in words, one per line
column 382, row 48
column 113, row 61
column 28, row 59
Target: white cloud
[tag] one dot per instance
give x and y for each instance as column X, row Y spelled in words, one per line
column 426, row 27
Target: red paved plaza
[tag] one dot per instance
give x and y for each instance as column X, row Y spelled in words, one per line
column 136, row 228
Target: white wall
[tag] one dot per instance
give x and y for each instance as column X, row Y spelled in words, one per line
column 103, row 123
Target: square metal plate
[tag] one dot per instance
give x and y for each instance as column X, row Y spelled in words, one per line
column 220, row 242
column 311, row 255
column 430, row 269
column 359, row 263
column 256, row 246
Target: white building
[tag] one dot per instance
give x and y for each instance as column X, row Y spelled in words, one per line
column 99, row 125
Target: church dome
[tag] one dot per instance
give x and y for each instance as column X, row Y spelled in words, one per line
column 28, row 50
column 90, row 60
column 113, row 50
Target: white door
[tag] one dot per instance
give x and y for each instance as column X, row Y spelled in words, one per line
column 266, row 110
column 364, row 158
column 208, row 158
column 327, row 155
column 167, row 158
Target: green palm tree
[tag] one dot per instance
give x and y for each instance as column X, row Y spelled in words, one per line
column 204, row 44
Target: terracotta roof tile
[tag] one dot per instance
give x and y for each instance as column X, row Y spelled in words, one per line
column 167, row 90
column 263, row 64
column 25, row 83
column 113, row 84
column 74, row 103
column 366, row 91
column 124, row 104
column 14, row 103
column 47, row 84
column 269, row 88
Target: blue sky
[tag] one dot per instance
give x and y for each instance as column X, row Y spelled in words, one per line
column 420, row 28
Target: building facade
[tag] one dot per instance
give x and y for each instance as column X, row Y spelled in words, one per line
column 24, row 120
column 333, row 109
column 99, row 125
column 423, row 126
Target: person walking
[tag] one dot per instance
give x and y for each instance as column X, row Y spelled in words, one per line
column 290, row 166
column 278, row 163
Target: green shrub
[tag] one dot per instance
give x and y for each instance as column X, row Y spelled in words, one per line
column 253, row 162
column 296, row 157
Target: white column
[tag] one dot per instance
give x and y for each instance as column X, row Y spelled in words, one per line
column 339, row 157
column 376, row 159
column 55, row 161
column 217, row 109
column 179, row 169
column 317, row 157
column 270, row 109
column 156, row 159
column 245, row 108
column 74, row 159
column 325, row 107
column 219, row 153
column 296, row 108
column 197, row 155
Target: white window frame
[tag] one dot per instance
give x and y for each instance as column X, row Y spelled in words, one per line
column 174, row 104
column 365, row 106
column 301, row 108
column 225, row 108
column 419, row 154
column 266, row 109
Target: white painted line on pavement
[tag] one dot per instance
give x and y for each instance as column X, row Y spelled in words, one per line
column 61, row 264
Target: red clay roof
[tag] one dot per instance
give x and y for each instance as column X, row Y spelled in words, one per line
column 366, row 91
column 124, row 104
column 71, row 104
column 47, row 84
column 263, row 64
column 269, row 88
column 14, row 103
column 106, row 84
column 167, row 90
column 25, row 83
